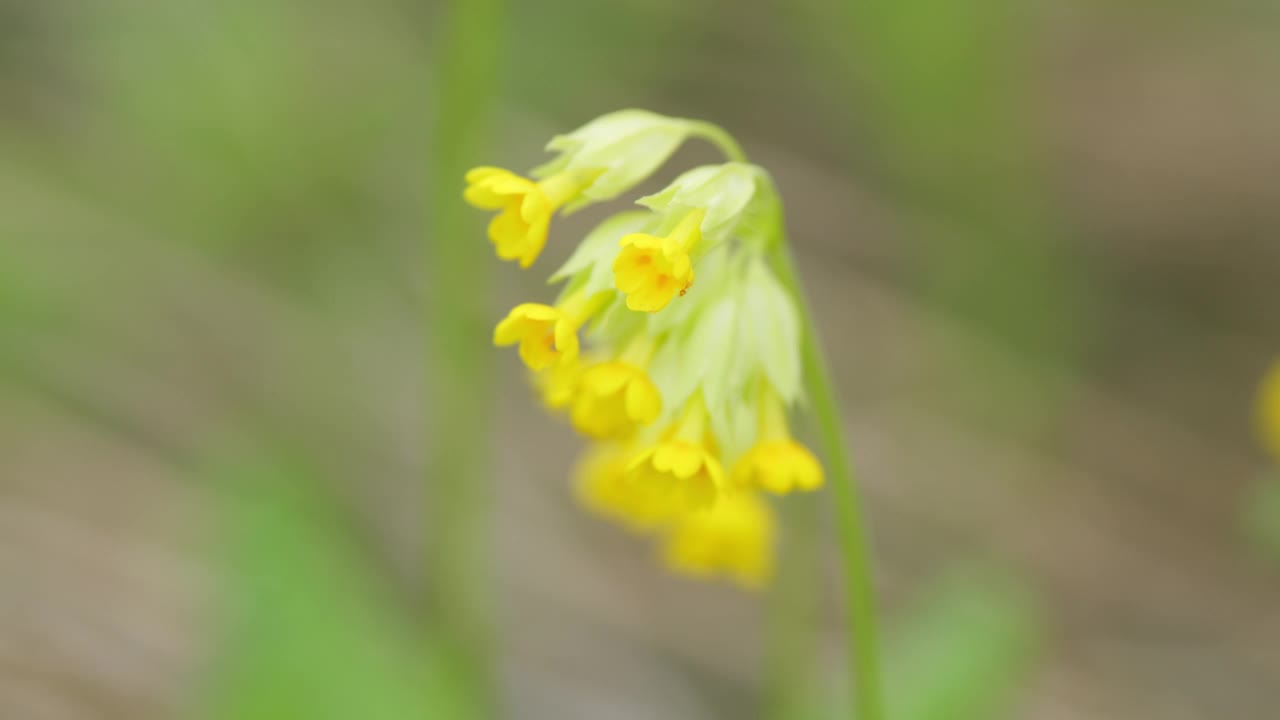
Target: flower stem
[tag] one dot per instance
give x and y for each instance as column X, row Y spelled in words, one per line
column 458, row 380
column 793, row 612
column 864, row 655
column 718, row 137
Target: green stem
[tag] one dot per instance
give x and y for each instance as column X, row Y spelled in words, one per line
column 459, row 381
column 793, row 612
column 718, row 137
column 863, row 638
column 864, row 655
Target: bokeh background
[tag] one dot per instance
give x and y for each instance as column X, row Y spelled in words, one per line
column 245, row 381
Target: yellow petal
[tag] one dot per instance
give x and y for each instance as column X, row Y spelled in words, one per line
column 809, row 474
column 535, row 239
column 509, row 234
column 566, row 338
column 508, row 331
column 608, row 378
column 476, row 174
column 664, row 457
column 686, row 460
column 536, row 311
column 535, row 207
column 481, row 196
column 644, row 403
column 700, row 495
column 536, row 354
column 716, row 471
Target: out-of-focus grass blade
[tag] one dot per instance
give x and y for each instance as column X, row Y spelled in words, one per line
column 965, row 652
column 962, row 654
column 310, row 635
column 38, row 289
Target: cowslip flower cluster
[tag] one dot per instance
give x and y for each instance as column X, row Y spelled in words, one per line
column 672, row 345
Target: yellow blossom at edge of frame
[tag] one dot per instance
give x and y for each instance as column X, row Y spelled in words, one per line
column 1269, row 410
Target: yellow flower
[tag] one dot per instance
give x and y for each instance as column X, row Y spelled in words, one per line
column 613, row 398
column 558, row 383
column 519, row 231
column 679, row 466
column 602, row 487
column 651, row 270
column 735, row 538
column 684, row 464
column 1269, row 410
column 778, row 466
column 547, row 335
column 776, row 463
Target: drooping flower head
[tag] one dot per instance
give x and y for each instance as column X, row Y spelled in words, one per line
column 675, row 382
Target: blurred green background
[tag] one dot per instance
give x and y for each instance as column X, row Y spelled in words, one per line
column 250, row 424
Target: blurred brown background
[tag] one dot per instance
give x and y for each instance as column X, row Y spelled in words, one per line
column 1040, row 240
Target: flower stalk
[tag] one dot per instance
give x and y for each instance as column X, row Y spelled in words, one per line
column 862, row 629
column 458, row 368
column 684, row 387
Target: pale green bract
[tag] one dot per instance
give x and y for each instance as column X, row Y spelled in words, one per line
column 629, row 145
column 771, row 329
column 725, row 191
column 747, row 327
column 589, row 266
